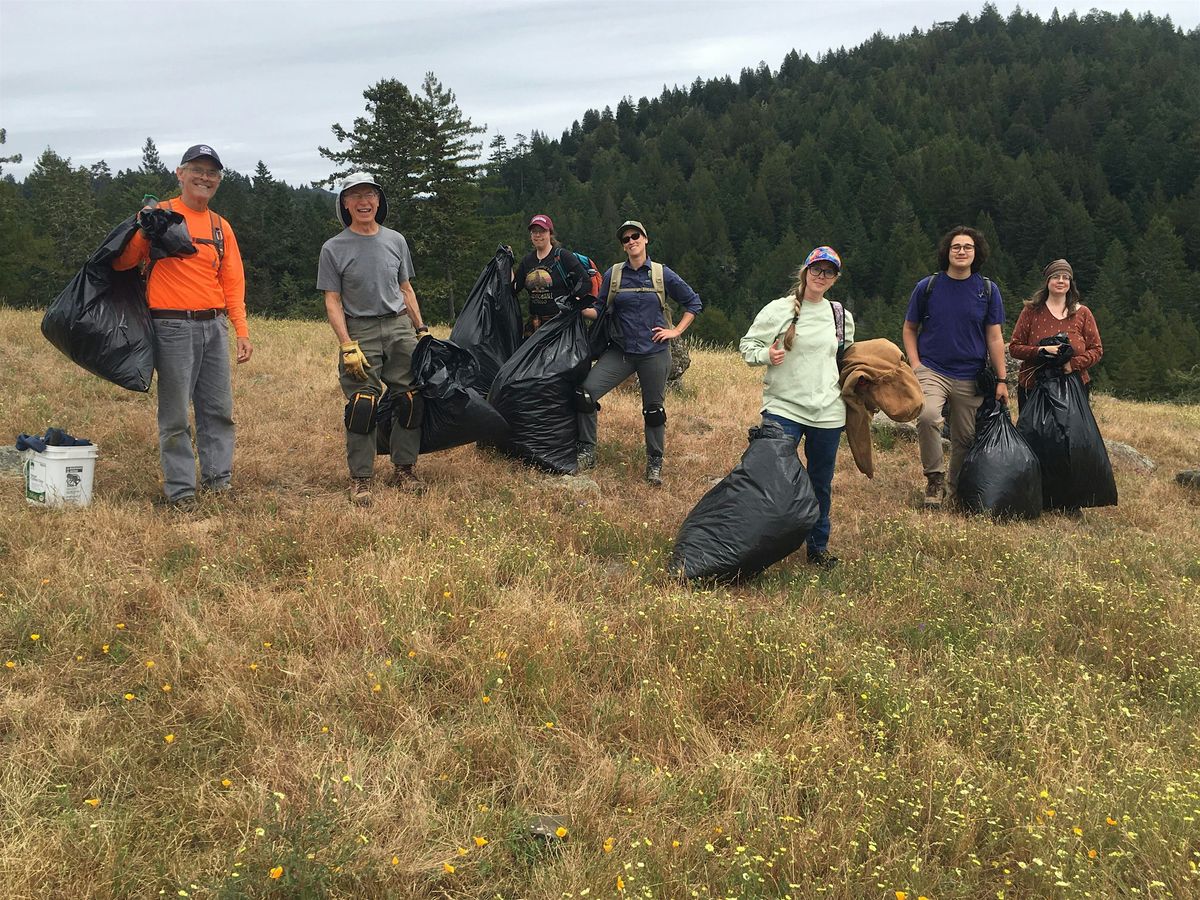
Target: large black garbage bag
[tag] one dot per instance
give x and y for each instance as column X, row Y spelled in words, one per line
column 100, row 320
column 759, row 513
column 1057, row 423
column 453, row 413
column 534, row 391
column 1000, row 474
column 489, row 325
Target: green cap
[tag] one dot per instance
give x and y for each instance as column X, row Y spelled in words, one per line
column 631, row 223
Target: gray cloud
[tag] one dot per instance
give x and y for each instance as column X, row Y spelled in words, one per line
column 266, row 80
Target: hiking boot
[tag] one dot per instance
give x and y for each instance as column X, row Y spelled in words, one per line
column 184, row 504
column 404, row 478
column 585, row 460
column 935, row 490
column 654, row 470
column 822, row 559
column 360, row 491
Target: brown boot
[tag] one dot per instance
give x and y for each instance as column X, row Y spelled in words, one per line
column 935, row 490
column 360, row 491
column 404, row 478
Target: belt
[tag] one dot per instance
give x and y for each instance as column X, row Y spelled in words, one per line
column 386, row 315
column 199, row 314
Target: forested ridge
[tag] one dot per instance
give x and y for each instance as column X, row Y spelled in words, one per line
column 1075, row 136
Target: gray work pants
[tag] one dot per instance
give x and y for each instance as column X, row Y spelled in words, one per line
column 192, row 359
column 388, row 345
column 613, row 368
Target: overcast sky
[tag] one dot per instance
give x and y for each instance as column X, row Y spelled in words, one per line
column 265, row 79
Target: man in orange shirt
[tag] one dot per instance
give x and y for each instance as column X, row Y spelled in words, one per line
column 193, row 300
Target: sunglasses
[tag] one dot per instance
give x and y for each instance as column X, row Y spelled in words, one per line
column 632, row 236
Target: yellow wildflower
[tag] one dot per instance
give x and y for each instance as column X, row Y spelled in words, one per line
column 149, row 664
column 560, row 831
column 447, row 868
column 169, row 738
column 92, row 802
column 480, row 841
column 10, row 664
column 226, row 783
column 395, row 860
column 129, row 697
column 608, row 845
column 166, row 688
column 277, row 872
column 35, row 637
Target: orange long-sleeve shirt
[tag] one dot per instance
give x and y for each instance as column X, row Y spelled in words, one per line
column 193, row 282
column 1037, row 322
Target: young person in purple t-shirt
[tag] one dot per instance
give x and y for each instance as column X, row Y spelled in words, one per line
column 950, row 332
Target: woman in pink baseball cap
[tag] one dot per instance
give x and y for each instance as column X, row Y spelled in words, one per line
column 550, row 273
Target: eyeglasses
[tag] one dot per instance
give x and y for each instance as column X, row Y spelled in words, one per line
column 361, row 195
column 823, row 273
column 632, row 236
column 962, row 248
column 202, row 172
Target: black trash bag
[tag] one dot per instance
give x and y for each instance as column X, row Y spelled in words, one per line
column 534, row 392
column 1065, row 350
column 100, row 320
column 1000, row 474
column 758, row 514
column 167, row 232
column 453, row 413
column 489, row 325
column 1057, row 423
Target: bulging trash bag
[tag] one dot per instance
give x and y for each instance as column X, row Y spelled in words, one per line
column 534, row 391
column 758, row 514
column 1057, row 423
column 1000, row 474
column 100, row 320
column 455, row 413
column 489, row 325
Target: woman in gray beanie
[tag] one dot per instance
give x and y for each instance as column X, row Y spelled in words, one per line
column 1055, row 308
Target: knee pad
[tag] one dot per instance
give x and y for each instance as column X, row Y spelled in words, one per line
column 407, row 409
column 655, row 417
column 360, row 413
column 585, row 402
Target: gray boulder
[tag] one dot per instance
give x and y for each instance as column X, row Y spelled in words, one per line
column 1126, row 455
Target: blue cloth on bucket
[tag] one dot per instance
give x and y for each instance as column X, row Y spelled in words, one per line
column 54, row 437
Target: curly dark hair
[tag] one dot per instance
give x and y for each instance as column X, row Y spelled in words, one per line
column 981, row 247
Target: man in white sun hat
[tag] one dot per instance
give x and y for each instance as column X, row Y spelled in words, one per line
column 365, row 272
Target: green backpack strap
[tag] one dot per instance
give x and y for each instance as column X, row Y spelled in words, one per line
column 614, row 283
column 660, row 288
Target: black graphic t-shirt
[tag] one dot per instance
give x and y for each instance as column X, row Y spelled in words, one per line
column 558, row 276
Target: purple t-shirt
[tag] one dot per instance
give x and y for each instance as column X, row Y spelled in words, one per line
column 952, row 340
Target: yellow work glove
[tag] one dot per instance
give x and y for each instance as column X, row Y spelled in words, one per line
column 355, row 361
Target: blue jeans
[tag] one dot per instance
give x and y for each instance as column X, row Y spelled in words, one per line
column 820, row 455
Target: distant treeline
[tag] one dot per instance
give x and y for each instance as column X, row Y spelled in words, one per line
column 1076, row 137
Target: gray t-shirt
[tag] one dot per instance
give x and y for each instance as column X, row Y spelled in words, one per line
column 367, row 270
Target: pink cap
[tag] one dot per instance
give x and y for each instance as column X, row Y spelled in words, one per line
column 541, row 220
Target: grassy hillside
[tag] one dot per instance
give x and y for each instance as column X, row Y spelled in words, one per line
column 283, row 696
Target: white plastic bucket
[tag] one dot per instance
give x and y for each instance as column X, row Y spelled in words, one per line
column 60, row 476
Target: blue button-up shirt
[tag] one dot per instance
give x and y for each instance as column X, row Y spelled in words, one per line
column 638, row 312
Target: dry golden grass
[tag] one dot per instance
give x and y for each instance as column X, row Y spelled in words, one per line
column 374, row 703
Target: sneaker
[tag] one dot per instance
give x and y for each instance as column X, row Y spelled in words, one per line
column 360, row 491
column 585, row 460
column 822, row 559
column 935, row 490
column 404, row 478
column 654, row 470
